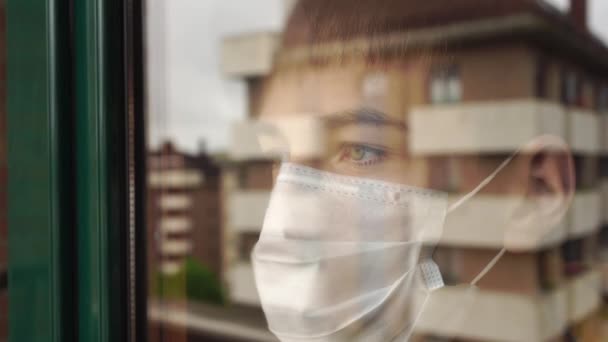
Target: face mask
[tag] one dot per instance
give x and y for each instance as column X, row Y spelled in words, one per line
column 343, row 258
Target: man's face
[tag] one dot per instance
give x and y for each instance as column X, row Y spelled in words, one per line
column 362, row 130
column 362, row 111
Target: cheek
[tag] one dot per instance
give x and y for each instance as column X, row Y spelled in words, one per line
column 408, row 171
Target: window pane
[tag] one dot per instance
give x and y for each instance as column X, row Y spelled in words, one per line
column 3, row 184
column 374, row 170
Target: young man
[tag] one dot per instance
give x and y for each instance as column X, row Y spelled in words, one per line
column 346, row 250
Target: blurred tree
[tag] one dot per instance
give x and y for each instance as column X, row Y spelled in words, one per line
column 194, row 281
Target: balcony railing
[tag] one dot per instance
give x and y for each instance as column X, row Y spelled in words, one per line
column 584, row 132
column 242, row 284
column 492, row 316
column 484, row 221
column 249, row 55
column 175, row 225
column 246, row 210
column 179, row 178
column 585, row 213
column 584, row 295
column 500, row 126
column 175, row 202
column 170, row 247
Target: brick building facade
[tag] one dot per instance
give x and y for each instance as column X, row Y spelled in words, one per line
column 184, row 210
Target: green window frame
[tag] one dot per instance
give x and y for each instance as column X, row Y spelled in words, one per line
column 74, row 115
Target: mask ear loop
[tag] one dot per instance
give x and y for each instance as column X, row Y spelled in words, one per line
column 482, row 184
column 471, row 290
column 474, row 192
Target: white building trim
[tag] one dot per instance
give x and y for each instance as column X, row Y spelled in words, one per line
column 604, row 200
column 493, row 126
column 249, row 54
column 175, row 202
column 494, row 316
column 205, row 323
column 242, row 284
column 178, row 178
column 584, row 131
column 298, row 136
column 170, row 267
column 604, row 129
column 247, row 210
column 175, row 247
column 486, row 221
column 584, row 295
column 173, row 225
column 585, row 214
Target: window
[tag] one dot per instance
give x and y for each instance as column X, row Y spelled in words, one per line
column 342, row 143
column 601, row 98
column 445, row 85
column 541, row 79
column 375, row 90
column 571, row 89
column 246, row 243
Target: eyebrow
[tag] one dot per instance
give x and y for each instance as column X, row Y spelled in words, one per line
column 365, row 116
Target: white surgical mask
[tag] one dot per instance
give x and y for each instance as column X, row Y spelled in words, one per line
column 339, row 258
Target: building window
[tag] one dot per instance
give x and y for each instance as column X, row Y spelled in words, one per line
column 573, row 255
column 246, row 243
column 375, row 90
column 571, row 89
column 445, row 85
column 541, row 79
column 601, row 99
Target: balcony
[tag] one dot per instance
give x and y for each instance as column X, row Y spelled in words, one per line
column 242, row 284
column 175, row 202
column 175, row 225
column 484, row 221
column 584, row 132
column 604, row 275
column 494, row 316
column 249, row 55
column 245, row 144
column 585, row 214
column 584, row 295
column 170, row 267
column 176, row 179
column 604, row 200
column 246, row 210
column 604, row 129
column 299, row 136
column 502, row 126
column 170, row 247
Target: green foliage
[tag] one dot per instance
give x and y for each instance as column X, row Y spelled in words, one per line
column 193, row 281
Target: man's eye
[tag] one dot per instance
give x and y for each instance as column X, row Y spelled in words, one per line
column 361, row 154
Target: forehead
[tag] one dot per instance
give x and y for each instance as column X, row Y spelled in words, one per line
column 389, row 87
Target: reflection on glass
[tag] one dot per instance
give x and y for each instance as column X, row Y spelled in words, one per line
column 3, row 185
column 377, row 170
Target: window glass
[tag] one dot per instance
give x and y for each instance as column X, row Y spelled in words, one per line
column 3, row 184
column 376, row 170
column 446, row 86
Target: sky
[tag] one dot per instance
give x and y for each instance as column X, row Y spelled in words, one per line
column 189, row 101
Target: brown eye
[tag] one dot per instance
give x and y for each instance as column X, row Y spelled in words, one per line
column 361, row 155
column 357, row 153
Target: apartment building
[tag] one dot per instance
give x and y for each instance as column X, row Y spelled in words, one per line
column 183, row 210
column 515, row 70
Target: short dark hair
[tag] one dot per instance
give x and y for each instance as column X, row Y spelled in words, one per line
column 319, row 30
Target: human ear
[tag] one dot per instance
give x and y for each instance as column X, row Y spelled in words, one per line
column 549, row 188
